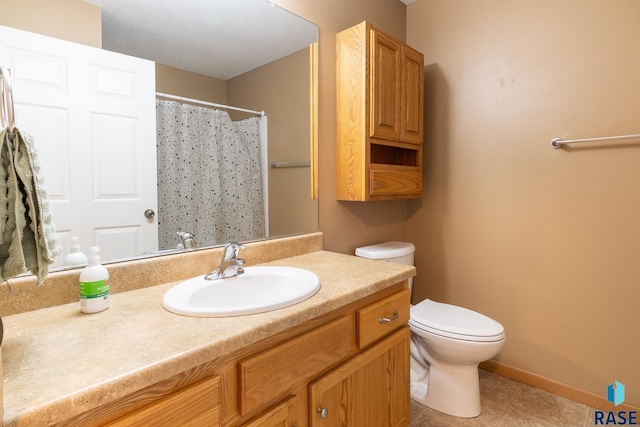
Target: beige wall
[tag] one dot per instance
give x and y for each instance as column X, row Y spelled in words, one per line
column 70, row 20
column 179, row 82
column 282, row 89
column 545, row 241
column 347, row 225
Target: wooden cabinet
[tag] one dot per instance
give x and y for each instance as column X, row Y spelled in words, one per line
column 380, row 109
column 358, row 388
column 353, row 361
column 369, row 390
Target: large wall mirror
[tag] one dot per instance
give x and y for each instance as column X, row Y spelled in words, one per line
column 207, row 55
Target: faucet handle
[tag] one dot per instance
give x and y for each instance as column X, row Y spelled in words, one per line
column 230, row 265
column 231, row 250
column 234, row 245
column 187, row 240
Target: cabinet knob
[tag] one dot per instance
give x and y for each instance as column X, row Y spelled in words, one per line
column 324, row 412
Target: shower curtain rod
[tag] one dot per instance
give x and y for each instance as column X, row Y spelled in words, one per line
column 208, row 104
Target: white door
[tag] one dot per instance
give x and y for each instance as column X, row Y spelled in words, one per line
column 92, row 115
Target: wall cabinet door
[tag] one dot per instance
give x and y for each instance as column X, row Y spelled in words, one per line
column 370, row 390
column 412, row 120
column 397, row 90
column 386, row 96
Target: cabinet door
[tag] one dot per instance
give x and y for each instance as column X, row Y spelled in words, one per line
column 385, row 62
column 412, row 96
column 370, row 390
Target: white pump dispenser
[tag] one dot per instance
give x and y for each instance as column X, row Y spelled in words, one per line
column 94, row 284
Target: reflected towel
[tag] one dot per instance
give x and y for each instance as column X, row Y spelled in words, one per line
column 27, row 233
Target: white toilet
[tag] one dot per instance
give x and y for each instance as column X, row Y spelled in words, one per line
column 448, row 343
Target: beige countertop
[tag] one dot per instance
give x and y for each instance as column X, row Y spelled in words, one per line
column 59, row 362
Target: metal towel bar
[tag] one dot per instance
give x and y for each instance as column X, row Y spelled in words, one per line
column 294, row 164
column 7, row 116
column 558, row 143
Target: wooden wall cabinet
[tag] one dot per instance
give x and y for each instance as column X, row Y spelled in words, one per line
column 347, row 362
column 380, row 116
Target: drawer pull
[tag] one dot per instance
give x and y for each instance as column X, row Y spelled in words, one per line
column 389, row 319
column 324, row 412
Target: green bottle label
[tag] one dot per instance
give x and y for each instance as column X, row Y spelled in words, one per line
column 97, row 289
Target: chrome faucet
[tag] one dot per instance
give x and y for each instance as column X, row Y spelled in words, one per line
column 230, row 265
column 187, row 240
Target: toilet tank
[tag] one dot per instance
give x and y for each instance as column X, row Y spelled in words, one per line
column 397, row 252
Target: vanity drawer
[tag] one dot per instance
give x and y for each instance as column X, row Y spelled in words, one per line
column 270, row 374
column 197, row 405
column 382, row 317
column 283, row 414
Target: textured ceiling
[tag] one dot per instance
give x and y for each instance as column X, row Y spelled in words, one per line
column 219, row 38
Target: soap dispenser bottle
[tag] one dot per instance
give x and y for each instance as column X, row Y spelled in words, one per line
column 75, row 257
column 94, row 284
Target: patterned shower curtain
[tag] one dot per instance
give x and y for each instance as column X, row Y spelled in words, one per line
column 209, row 176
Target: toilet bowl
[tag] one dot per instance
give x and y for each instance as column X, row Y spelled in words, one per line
column 447, row 344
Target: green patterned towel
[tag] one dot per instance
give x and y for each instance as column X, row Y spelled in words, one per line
column 27, row 233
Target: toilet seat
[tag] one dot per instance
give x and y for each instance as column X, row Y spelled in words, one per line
column 454, row 322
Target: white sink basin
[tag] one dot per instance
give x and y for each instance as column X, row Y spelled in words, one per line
column 259, row 289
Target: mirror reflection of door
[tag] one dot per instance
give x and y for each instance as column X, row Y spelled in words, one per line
column 86, row 103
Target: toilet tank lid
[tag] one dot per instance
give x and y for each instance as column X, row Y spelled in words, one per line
column 386, row 250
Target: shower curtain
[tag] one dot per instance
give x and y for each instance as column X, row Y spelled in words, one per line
column 209, row 175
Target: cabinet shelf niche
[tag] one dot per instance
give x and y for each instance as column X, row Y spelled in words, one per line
column 388, row 155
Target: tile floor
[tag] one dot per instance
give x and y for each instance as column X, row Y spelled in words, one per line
column 508, row 403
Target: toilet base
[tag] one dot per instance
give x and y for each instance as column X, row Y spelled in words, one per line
column 419, row 375
column 455, row 393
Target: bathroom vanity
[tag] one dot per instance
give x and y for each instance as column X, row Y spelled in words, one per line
column 339, row 358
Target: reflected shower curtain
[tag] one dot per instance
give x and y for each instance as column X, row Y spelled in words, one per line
column 209, row 180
